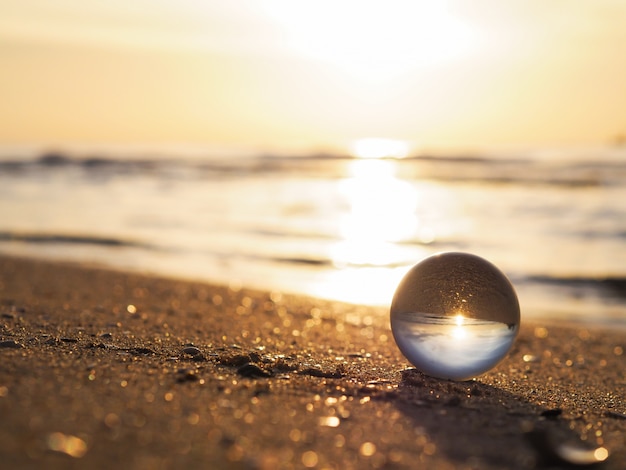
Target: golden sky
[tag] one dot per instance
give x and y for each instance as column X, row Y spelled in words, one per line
column 313, row 74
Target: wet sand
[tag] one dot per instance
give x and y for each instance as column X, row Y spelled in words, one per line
column 102, row 369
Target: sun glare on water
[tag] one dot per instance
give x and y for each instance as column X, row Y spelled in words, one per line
column 459, row 331
column 380, row 211
column 379, row 148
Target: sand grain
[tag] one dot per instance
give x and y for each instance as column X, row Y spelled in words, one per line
column 101, row 369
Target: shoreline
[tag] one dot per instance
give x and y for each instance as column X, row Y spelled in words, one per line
column 102, row 368
column 568, row 314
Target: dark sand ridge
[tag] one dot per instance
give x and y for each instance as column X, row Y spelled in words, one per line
column 101, row 369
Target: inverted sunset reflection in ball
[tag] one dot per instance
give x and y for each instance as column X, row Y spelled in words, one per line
column 455, row 316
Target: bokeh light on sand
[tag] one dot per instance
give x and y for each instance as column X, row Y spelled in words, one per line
column 67, row 444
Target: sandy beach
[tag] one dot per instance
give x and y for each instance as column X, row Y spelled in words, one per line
column 104, row 369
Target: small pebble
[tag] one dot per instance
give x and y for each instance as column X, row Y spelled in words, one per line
column 236, row 360
column 252, row 370
column 379, row 382
column 140, row 351
column 530, row 358
column 552, row 414
column 615, row 414
column 313, row 372
column 555, row 450
column 192, row 351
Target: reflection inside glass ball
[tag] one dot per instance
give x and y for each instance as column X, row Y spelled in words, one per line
column 455, row 316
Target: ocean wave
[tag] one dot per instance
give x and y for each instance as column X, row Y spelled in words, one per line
column 54, row 238
column 614, row 286
column 595, row 171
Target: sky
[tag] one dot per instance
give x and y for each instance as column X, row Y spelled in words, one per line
column 313, row 74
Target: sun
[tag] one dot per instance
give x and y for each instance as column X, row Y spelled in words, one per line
column 370, row 39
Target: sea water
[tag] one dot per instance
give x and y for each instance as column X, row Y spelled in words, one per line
column 330, row 226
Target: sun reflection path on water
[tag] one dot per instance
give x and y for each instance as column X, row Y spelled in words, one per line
column 459, row 331
column 382, row 213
